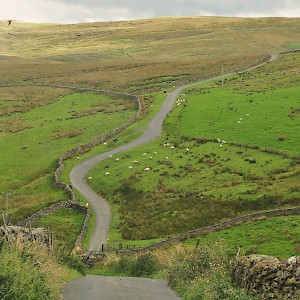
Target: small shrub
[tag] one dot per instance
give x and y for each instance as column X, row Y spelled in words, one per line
column 282, row 138
column 204, row 274
column 142, row 266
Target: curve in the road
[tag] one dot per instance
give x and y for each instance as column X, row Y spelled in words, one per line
column 154, row 130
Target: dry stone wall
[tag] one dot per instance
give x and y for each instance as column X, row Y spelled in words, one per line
column 74, row 152
column 267, row 277
column 19, row 233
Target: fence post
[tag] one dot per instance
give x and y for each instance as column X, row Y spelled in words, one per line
column 5, row 227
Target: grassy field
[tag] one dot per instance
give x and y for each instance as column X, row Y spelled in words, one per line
column 137, row 55
column 40, row 132
column 65, row 225
column 277, row 237
column 39, row 123
column 196, row 180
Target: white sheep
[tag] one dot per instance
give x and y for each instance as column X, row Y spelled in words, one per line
column 77, row 157
column 107, row 173
column 130, row 167
column 135, row 161
column 90, row 177
column 187, row 149
column 155, row 152
column 117, row 159
column 147, row 169
column 144, row 154
column 239, row 122
column 166, row 157
column 172, row 147
column 104, row 144
column 224, row 142
column 150, row 157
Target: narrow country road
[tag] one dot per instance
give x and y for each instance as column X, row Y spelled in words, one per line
column 114, row 288
column 154, row 130
column 93, row 287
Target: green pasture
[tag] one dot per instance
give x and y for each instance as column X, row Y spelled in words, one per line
column 277, row 237
column 30, row 151
column 65, row 225
column 263, row 119
column 203, row 170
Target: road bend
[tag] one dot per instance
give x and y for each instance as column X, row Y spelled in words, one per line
column 154, row 129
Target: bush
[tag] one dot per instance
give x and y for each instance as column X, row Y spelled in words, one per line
column 142, row 266
column 204, row 274
column 29, row 271
column 19, row 277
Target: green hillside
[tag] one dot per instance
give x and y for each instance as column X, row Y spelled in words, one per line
column 39, row 123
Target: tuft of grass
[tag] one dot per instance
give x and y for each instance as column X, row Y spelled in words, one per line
column 29, row 271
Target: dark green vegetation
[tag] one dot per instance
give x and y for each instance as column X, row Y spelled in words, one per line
column 214, row 162
column 195, row 273
column 277, row 237
column 204, row 273
column 29, row 271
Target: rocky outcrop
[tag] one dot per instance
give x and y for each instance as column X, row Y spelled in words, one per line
column 268, row 277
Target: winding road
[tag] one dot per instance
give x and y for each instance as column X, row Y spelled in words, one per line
column 99, row 287
column 154, row 130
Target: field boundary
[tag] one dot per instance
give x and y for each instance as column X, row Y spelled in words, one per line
column 89, row 145
column 71, row 202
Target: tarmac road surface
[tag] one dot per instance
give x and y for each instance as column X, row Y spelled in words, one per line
column 92, row 287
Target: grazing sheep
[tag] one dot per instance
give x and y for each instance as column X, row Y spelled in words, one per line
column 172, row 147
column 150, row 157
column 104, row 144
column 247, row 115
column 166, row 157
column 187, row 149
column 155, row 152
column 117, row 159
column 86, row 205
column 135, row 161
column 147, row 169
column 130, row 167
column 77, row 157
column 107, row 173
column 239, row 122
column 144, row 154
column 224, row 142
column 90, row 177
column 110, row 155
column 219, row 141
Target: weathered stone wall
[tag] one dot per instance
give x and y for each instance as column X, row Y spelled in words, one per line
column 74, row 152
column 268, row 277
column 217, row 227
column 14, row 233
